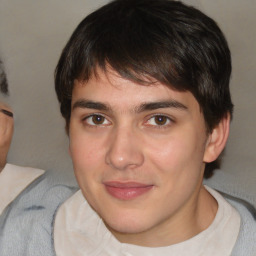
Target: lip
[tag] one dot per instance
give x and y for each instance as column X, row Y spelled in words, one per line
column 126, row 190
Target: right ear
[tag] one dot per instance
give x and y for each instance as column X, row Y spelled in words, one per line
column 217, row 140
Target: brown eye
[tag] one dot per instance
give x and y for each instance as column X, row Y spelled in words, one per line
column 160, row 120
column 97, row 119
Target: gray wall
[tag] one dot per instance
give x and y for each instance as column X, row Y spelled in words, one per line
column 32, row 34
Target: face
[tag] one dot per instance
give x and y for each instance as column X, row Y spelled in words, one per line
column 6, row 132
column 138, row 152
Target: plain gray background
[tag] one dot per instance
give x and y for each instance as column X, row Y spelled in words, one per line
column 32, row 35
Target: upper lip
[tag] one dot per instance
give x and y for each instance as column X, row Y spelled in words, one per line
column 128, row 184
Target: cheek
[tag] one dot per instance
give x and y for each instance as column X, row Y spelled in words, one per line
column 170, row 151
column 86, row 157
column 178, row 154
column 83, row 147
column 81, row 153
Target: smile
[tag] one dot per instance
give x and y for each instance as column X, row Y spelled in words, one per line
column 127, row 191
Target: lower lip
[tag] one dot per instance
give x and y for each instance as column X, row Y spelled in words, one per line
column 127, row 193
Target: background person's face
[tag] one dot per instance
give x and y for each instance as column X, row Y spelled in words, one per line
column 6, row 131
column 138, row 152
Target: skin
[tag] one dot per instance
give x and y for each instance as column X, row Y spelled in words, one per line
column 6, row 132
column 163, row 146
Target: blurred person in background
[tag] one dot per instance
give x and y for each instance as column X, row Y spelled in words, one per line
column 28, row 196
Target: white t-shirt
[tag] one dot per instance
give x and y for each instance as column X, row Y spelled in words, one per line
column 78, row 231
column 13, row 180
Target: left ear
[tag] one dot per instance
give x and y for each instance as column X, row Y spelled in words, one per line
column 217, row 140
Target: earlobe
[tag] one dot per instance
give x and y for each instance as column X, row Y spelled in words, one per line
column 217, row 140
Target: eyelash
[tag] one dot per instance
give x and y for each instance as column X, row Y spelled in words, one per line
column 91, row 123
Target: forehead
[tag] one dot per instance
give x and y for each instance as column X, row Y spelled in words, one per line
column 110, row 88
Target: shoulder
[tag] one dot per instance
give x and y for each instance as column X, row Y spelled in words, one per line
column 243, row 199
column 43, row 194
column 30, row 216
column 24, row 169
column 232, row 185
column 245, row 244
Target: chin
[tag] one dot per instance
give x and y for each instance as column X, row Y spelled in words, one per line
column 127, row 224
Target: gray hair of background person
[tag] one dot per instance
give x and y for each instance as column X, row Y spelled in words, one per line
column 3, row 79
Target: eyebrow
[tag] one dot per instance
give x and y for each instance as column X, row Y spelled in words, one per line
column 91, row 105
column 83, row 103
column 161, row 104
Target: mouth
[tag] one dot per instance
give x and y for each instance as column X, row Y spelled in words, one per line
column 127, row 190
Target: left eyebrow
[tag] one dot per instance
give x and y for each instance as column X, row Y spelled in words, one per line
column 161, row 104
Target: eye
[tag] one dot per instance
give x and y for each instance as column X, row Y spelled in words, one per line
column 96, row 120
column 159, row 120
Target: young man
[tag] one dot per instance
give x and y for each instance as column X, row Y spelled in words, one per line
column 28, row 198
column 144, row 88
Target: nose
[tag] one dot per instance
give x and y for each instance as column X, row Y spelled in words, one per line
column 124, row 150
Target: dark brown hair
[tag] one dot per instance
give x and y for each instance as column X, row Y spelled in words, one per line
column 166, row 41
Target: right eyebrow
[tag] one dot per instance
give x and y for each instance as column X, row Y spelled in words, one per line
column 91, row 105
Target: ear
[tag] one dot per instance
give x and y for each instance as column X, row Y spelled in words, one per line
column 217, row 140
